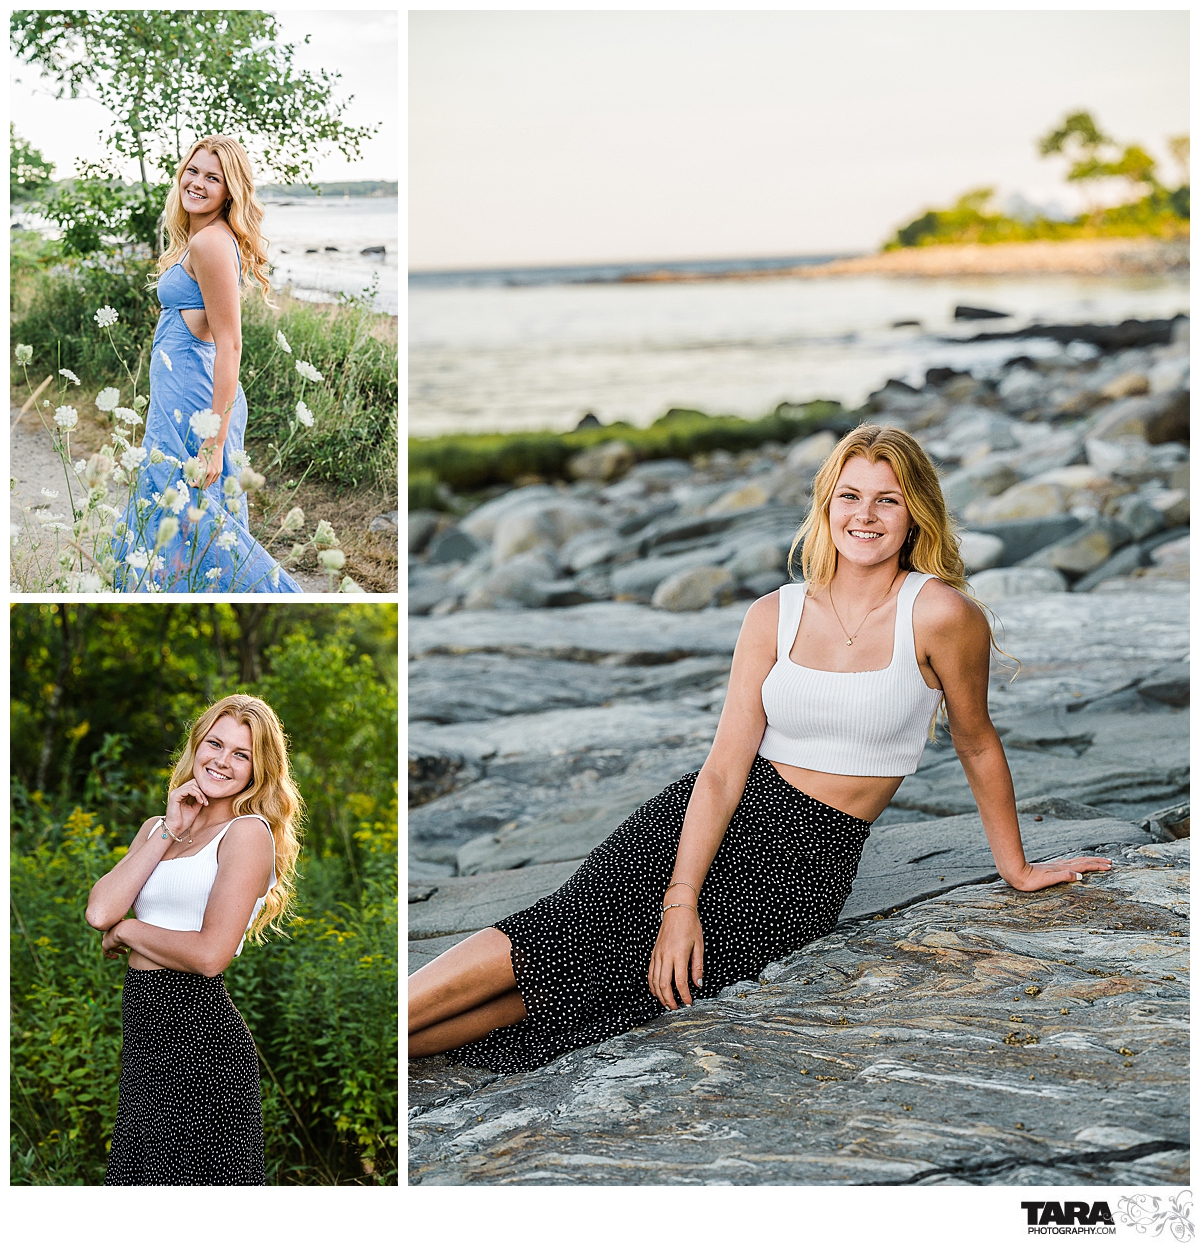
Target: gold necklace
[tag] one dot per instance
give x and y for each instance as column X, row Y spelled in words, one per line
column 850, row 638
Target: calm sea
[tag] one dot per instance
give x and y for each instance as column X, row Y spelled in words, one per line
column 538, row 348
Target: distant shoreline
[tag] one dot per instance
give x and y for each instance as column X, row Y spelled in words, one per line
column 1097, row 257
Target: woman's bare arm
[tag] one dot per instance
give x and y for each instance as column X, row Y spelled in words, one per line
column 244, row 861
column 959, row 653
column 215, row 263
column 716, row 794
column 113, row 895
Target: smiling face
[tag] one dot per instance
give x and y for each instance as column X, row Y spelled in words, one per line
column 224, row 761
column 202, row 187
column 868, row 518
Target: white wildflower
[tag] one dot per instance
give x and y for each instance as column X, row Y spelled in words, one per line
column 157, row 456
column 324, row 537
column 106, row 317
column 275, row 576
column 70, row 376
column 49, row 494
column 168, row 528
column 349, row 586
column 166, row 360
column 279, row 339
column 24, row 353
column 226, row 540
column 138, row 559
column 304, row 414
column 79, row 465
column 173, row 500
column 251, row 480
column 213, row 573
column 193, row 472
column 87, row 583
column 240, row 458
column 178, row 417
column 107, row 400
column 310, row 372
column 332, row 558
column 157, row 565
column 231, row 487
column 298, row 550
column 125, row 417
column 131, row 458
column 205, row 423
column 234, row 507
column 66, row 417
column 109, row 510
column 294, row 520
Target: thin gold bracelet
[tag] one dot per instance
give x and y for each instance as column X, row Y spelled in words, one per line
column 678, row 882
column 665, row 907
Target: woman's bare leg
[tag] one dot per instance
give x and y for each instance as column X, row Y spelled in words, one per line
column 470, row 974
column 467, row 1027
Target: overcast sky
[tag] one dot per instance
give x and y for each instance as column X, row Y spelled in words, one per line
column 586, row 136
column 361, row 44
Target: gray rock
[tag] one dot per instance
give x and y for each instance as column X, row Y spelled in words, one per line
column 521, row 581
column 540, row 522
column 640, row 520
column 658, row 475
column 638, row 580
column 758, row 558
column 1139, row 516
column 807, row 456
column 1175, row 822
column 1006, row 584
column 1056, row 806
column 1157, row 418
column 1169, row 685
column 453, row 544
column 594, row 547
column 603, row 462
column 990, row 477
column 1087, row 549
column 693, row 589
column 766, row 582
column 885, row 1053
column 422, row 596
column 1124, row 561
column 979, row 551
column 433, row 772
column 975, row 430
column 421, row 525
column 1024, row 536
column 482, row 522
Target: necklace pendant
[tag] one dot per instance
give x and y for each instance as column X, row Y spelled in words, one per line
column 849, row 643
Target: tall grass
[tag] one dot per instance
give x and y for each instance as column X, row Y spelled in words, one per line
column 354, row 441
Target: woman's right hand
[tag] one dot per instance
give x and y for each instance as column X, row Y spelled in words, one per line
column 680, row 945
column 183, row 804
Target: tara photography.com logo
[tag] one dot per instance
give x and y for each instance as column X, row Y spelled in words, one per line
column 1060, row 1216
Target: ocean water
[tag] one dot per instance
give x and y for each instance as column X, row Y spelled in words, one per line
column 525, row 350
column 316, row 247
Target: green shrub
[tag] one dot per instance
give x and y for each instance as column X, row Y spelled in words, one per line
column 469, row 462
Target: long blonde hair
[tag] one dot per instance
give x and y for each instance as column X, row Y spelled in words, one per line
column 271, row 792
column 242, row 212
column 931, row 546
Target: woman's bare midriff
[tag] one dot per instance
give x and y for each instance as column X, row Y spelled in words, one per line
column 861, row 797
column 138, row 961
column 196, row 320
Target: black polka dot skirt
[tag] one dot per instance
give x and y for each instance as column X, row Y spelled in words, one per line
column 190, row 1106
column 779, row 880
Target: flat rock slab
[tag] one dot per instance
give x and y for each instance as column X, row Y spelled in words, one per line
column 984, row 1037
column 583, row 632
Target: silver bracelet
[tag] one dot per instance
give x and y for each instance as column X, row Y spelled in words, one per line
column 162, row 821
column 665, row 907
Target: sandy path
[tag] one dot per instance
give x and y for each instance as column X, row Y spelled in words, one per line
column 35, row 465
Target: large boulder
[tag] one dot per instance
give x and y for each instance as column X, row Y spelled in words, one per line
column 638, row 580
column 522, row 582
column 602, row 463
column 422, row 523
column 1024, row 500
column 810, row 454
column 453, row 544
column 1083, row 551
column 1155, row 418
column 751, row 496
column 982, row 480
column 1005, row 584
column 482, row 522
column 1024, row 536
column 693, row 589
column 979, row 551
column 541, row 523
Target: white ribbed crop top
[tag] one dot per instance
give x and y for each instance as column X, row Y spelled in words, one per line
column 871, row 723
column 176, row 893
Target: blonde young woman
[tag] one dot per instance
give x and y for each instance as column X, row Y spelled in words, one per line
column 216, row 867
column 834, row 687
column 215, row 250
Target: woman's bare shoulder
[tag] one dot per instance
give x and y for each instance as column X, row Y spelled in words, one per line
column 943, row 609
column 212, row 242
column 762, row 617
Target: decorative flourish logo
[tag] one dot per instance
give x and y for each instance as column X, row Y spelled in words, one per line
column 1153, row 1214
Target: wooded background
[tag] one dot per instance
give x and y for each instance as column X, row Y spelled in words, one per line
column 102, row 696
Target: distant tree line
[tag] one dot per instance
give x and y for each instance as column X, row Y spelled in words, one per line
column 1095, row 161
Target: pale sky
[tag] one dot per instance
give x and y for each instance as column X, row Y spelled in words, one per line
column 553, row 137
column 361, row 44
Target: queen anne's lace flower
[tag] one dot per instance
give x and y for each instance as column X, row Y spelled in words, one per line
column 304, row 414
column 323, row 536
column 310, row 372
column 106, row 401
column 213, row 573
column 157, row 456
column 332, row 558
column 49, row 493
column 205, row 423
column 241, row 458
column 166, row 360
column 282, row 342
column 24, row 353
column 66, row 417
column 293, row 521
column 138, row 559
column 86, row 583
column 251, row 480
column 226, row 540
column 125, row 417
column 168, row 528
column 349, row 586
column 231, row 487
column 275, row 576
column 70, row 376
column 193, row 472
column 173, row 499
column 97, row 470
column 131, row 458
column 194, row 514
column 106, row 317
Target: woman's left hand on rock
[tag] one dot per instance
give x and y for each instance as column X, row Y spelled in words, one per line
column 1035, row 877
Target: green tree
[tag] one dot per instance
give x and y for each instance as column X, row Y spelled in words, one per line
column 28, row 171
column 168, row 77
column 1084, row 144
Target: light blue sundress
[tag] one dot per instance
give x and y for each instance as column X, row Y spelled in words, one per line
column 217, row 553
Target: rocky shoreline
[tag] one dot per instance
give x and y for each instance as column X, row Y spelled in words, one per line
column 570, row 646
